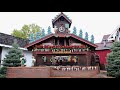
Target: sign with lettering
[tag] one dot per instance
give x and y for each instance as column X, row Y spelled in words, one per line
column 74, row 68
column 61, row 52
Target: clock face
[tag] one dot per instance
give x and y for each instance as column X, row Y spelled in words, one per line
column 61, row 29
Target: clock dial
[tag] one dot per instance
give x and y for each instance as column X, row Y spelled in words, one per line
column 61, row 29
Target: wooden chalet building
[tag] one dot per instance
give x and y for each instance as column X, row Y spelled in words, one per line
column 62, row 47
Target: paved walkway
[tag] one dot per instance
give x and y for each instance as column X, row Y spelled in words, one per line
column 102, row 74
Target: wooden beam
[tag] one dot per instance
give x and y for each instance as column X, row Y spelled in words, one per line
column 64, row 41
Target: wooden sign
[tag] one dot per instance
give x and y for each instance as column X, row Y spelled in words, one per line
column 74, row 68
column 61, row 52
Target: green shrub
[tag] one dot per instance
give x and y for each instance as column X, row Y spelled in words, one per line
column 113, row 59
column 2, row 76
column 3, row 72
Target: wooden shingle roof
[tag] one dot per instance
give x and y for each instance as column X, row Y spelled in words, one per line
column 61, row 15
column 9, row 40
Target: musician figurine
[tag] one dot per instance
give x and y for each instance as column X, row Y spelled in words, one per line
column 33, row 61
column 23, row 61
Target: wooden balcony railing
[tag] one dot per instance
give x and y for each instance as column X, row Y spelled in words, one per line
column 60, row 52
column 60, row 49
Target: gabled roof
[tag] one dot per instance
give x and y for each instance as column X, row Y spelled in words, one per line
column 83, row 40
column 40, row 40
column 9, row 46
column 105, row 37
column 53, row 35
column 6, row 39
column 115, row 36
column 102, row 47
column 60, row 15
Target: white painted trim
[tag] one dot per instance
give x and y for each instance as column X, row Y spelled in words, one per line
column 3, row 45
column 113, row 34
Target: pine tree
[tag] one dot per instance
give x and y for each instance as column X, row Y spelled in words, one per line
column 86, row 36
column 81, row 34
column 74, row 31
column 38, row 36
column 49, row 30
column 92, row 38
column 12, row 59
column 113, row 59
column 3, row 71
column 43, row 33
column 31, row 37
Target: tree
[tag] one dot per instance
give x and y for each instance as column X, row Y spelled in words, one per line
column 43, row 33
column 49, row 30
column 26, row 30
column 31, row 38
column 86, row 36
column 12, row 59
column 75, row 31
column 81, row 34
column 38, row 36
column 92, row 39
column 3, row 72
column 18, row 33
column 35, row 28
column 113, row 60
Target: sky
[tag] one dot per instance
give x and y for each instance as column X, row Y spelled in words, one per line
column 96, row 23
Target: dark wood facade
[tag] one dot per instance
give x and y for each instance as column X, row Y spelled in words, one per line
column 84, row 59
column 63, row 45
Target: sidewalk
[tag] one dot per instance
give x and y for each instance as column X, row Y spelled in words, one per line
column 102, row 74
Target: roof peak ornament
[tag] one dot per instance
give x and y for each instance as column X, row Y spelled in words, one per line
column 61, row 14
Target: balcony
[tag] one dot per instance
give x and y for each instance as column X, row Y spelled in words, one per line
column 61, row 50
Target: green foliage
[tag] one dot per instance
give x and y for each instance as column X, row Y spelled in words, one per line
column 74, row 31
column 38, row 35
column 43, row 33
column 31, row 37
column 81, row 34
column 49, row 30
column 26, row 30
column 18, row 33
column 92, row 39
column 3, row 72
column 113, row 59
column 2, row 76
column 86, row 36
column 12, row 59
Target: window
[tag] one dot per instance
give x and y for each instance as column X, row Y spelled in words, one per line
column 67, row 26
column 62, row 18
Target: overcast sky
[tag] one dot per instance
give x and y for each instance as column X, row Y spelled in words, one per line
column 96, row 23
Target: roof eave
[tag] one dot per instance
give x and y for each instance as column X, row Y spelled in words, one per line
column 85, row 41
column 40, row 40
